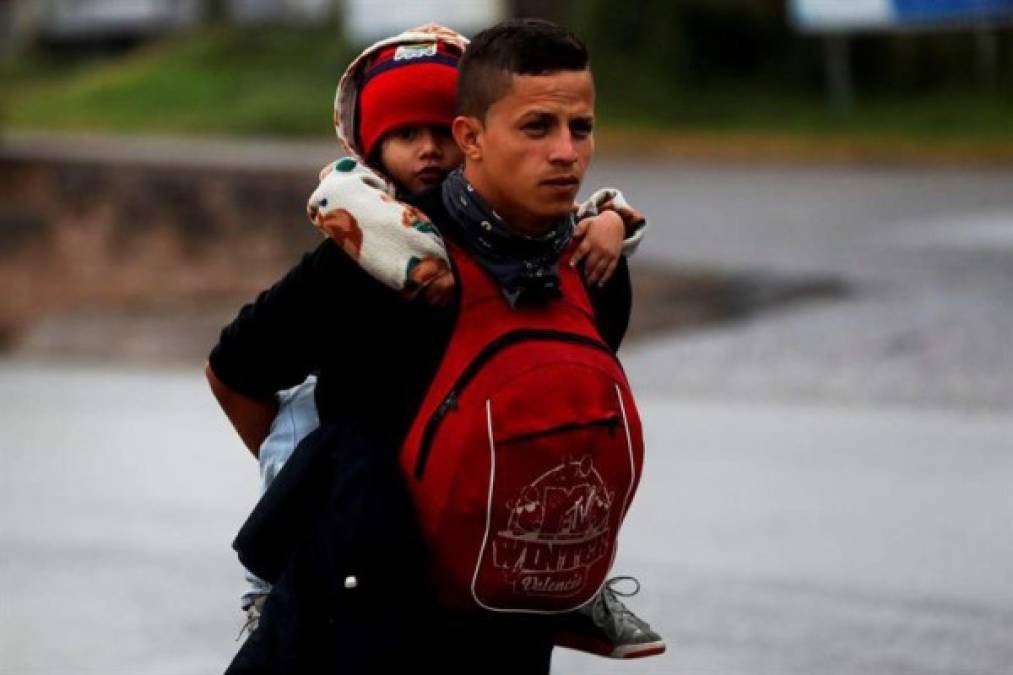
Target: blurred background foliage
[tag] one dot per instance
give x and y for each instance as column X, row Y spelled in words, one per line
column 219, row 79
column 719, row 64
column 696, row 65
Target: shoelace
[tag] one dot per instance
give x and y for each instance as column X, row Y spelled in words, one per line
column 611, row 594
column 611, row 586
column 251, row 624
column 248, row 625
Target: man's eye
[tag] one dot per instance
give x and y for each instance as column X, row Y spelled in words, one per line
column 406, row 133
column 581, row 129
column 535, row 128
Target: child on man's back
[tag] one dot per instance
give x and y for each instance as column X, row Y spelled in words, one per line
column 393, row 112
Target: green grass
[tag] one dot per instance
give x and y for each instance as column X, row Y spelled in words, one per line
column 944, row 114
column 270, row 81
column 926, row 117
column 280, row 82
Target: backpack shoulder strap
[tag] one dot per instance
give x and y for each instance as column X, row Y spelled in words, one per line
column 477, row 287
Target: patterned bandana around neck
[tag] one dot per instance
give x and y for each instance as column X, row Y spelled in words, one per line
column 526, row 268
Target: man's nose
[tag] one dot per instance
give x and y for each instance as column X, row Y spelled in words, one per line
column 564, row 149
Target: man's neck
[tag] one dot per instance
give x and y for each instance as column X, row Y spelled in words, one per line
column 520, row 223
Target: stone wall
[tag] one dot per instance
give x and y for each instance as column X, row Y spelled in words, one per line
column 144, row 248
column 96, row 235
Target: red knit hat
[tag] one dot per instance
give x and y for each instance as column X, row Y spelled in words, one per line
column 411, row 84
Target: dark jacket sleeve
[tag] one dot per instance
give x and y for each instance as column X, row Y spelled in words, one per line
column 612, row 303
column 276, row 341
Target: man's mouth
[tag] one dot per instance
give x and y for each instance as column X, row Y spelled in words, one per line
column 562, row 182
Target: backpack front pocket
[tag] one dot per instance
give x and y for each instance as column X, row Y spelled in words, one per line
column 559, row 485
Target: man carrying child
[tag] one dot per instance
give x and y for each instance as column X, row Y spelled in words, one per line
column 354, row 595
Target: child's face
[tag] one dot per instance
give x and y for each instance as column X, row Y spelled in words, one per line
column 418, row 157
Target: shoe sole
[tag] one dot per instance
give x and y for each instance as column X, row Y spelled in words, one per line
column 638, row 651
column 611, row 652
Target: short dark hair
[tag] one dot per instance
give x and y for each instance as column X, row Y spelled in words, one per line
column 515, row 46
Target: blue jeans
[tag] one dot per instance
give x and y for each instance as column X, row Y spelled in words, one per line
column 297, row 417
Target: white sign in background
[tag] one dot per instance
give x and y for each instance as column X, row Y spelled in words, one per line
column 368, row 20
column 842, row 14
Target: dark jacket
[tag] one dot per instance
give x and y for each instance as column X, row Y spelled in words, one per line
column 338, row 508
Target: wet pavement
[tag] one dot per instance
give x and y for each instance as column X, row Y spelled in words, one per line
column 827, row 485
column 769, row 538
column 924, row 258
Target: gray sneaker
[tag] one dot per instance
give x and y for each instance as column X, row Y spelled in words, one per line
column 253, row 612
column 607, row 627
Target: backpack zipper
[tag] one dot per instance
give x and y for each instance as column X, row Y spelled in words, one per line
column 499, row 344
column 610, row 423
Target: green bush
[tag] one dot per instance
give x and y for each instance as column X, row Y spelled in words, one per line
column 262, row 80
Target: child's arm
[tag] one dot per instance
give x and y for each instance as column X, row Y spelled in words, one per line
column 609, row 227
column 250, row 416
column 393, row 242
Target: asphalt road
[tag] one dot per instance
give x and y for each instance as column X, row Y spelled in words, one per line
column 925, row 257
column 769, row 538
column 827, row 487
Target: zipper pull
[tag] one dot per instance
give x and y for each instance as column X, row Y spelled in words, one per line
column 448, row 404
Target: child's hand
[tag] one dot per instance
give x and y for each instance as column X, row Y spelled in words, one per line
column 439, row 291
column 603, row 242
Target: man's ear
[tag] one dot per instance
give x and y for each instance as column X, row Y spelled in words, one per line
column 467, row 133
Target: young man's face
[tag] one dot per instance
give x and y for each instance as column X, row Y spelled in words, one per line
column 418, row 157
column 529, row 155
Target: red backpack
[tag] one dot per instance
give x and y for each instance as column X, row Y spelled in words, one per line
column 526, row 452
